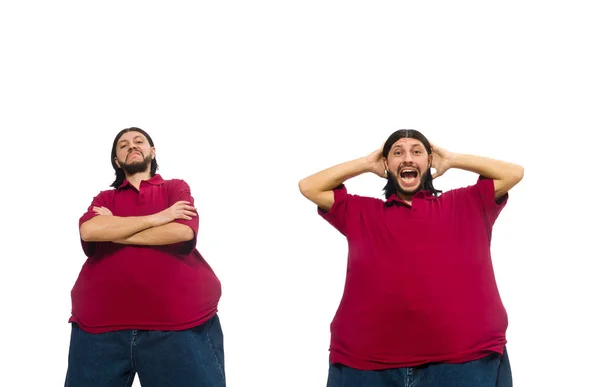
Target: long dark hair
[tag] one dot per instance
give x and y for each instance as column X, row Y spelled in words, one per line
column 391, row 186
column 119, row 174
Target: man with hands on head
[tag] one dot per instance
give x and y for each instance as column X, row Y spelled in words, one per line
column 145, row 301
column 420, row 304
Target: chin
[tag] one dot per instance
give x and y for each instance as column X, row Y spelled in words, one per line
column 411, row 190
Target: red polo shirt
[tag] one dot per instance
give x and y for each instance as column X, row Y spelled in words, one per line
column 167, row 287
column 420, row 286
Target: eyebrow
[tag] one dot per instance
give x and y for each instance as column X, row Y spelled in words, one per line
column 412, row 146
column 135, row 138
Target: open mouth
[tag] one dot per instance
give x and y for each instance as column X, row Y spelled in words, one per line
column 409, row 175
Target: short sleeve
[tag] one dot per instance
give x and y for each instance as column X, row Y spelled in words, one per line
column 101, row 200
column 484, row 193
column 345, row 213
column 179, row 190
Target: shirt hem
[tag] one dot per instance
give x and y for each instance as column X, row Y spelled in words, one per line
column 374, row 365
column 141, row 326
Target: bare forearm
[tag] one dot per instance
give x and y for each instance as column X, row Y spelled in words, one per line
column 318, row 188
column 166, row 234
column 505, row 175
column 106, row 228
column 331, row 178
column 490, row 168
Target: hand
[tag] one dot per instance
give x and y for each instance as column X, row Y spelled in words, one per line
column 376, row 163
column 102, row 211
column 179, row 210
column 442, row 161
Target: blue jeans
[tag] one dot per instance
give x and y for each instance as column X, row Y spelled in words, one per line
column 490, row 371
column 193, row 357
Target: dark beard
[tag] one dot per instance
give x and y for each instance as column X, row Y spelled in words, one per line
column 405, row 193
column 137, row 166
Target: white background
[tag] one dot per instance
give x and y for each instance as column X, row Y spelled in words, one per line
column 243, row 99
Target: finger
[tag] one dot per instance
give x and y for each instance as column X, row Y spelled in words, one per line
column 185, row 215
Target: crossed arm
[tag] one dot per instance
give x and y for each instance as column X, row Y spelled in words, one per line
column 151, row 230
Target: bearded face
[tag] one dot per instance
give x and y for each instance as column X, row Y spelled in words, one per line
column 134, row 153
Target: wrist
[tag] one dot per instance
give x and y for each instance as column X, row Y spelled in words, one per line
column 453, row 160
column 365, row 165
column 155, row 220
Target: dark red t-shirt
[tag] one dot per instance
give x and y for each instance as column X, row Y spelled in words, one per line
column 420, row 287
column 167, row 287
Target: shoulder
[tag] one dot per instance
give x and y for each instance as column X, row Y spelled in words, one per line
column 104, row 198
column 365, row 203
column 342, row 193
column 177, row 185
column 481, row 191
column 108, row 193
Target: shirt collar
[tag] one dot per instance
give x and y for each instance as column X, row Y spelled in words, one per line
column 422, row 194
column 154, row 180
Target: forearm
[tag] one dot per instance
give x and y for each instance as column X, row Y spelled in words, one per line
column 490, row 168
column 166, row 234
column 106, row 228
column 505, row 174
column 333, row 177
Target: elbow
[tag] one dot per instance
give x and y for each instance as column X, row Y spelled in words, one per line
column 90, row 231
column 304, row 188
column 518, row 173
column 189, row 235
column 84, row 233
column 186, row 234
column 514, row 177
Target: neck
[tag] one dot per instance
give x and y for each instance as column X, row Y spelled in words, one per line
column 406, row 198
column 137, row 178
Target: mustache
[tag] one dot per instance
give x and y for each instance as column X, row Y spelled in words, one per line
column 134, row 151
column 409, row 165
